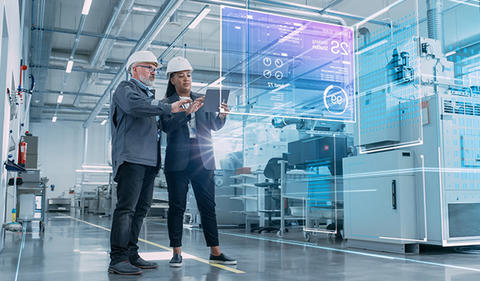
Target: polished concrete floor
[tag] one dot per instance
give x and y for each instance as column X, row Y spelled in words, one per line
column 76, row 248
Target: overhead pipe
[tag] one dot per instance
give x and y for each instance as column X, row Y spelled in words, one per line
column 165, row 12
column 74, row 69
column 108, row 30
column 101, row 45
column 74, row 49
column 295, row 6
column 22, row 25
column 119, row 39
column 66, row 108
column 77, row 37
column 65, row 93
column 41, row 18
column 302, row 8
column 63, row 119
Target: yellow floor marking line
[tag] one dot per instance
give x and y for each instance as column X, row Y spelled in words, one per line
column 234, row 270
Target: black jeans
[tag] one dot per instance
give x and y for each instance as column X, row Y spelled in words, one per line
column 204, row 188
column 134, row 197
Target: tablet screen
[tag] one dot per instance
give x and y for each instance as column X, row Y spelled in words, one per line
column 212, row 99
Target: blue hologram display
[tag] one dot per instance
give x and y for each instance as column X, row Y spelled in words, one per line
column 287, row 67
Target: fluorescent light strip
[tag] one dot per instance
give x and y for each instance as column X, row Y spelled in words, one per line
column 86, row 7
column 69, row 66
column 142, row 9
column 103, row 122
column 450, row 53
column 200, row 17
column 60, row 99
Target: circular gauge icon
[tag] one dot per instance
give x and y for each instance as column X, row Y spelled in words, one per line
column 278, row 75
column 278, row 63
column 267, row 73
column 335, row 100
column 267, row 61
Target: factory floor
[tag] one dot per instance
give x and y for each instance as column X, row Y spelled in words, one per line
column 76, row 248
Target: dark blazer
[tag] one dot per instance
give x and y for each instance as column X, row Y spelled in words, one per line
column 178, row 142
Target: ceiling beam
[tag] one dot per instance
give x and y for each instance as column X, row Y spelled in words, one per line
column 132, row 41
column 46, row 92
column 51, row 108
column 76, row 69
column 157, row 24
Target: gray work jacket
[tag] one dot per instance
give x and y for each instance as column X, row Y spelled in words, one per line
column 135, row 131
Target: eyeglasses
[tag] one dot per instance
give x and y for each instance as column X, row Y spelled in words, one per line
column 149, row 68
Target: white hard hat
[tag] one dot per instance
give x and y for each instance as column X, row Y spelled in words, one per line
column 177, row 64
column 141, row 56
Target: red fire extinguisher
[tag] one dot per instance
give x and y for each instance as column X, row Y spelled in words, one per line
column 22, row 153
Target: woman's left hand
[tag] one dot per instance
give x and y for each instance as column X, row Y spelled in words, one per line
column 224, row 110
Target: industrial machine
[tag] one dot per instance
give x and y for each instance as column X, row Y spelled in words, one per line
column 59, row 204
column 314, row 177
column 415, row 180
column 31, row 199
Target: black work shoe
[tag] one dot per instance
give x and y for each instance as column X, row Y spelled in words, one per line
column 222, row 259
column 141, row 263
column 176, row 261
column 124, row 268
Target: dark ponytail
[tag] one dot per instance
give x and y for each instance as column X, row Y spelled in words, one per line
column 170, row 89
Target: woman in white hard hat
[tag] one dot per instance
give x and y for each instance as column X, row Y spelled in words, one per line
column 135, row 159
column 189, row 158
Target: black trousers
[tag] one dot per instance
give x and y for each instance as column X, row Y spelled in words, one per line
column 134, row 194
column 204, row 189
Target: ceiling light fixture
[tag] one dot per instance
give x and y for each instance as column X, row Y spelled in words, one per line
column 69, row 66
column 103, row 122
column 60, row 98
column 86, row 7
column 200, row 17
column 144, row 9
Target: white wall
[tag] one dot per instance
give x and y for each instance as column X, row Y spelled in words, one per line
column 60, row 151
column 9, row 75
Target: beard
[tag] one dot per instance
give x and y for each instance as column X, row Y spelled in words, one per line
column 147, row 81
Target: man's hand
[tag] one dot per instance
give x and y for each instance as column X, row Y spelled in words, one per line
column 224, row 110
column 178, row 105
column 196, row 105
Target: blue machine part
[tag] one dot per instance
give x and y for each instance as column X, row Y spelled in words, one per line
column 289, row 67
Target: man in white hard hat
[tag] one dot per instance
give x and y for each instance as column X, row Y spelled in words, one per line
column 135, row 158
column 189, row 158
